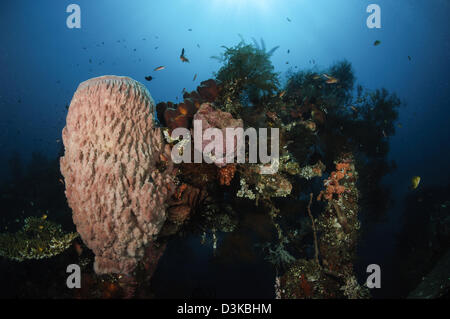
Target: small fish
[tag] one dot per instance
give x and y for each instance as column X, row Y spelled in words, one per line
column 156, row 48
column 41, row 227
column 159, row 68
column 289, row 20
column 409, row 58
column 40, row 249
column 415, row 182
column 44, row 217
column 282, row 94
column 195, row 76
column 330, row 79
column 316, row 77
column 198, row 45
column 288, row 51
column 354, row 108
column 182, row 57
column 189, row 29
column 61, row 181
column 149, row 78
column 377, row 42
column 384, row 133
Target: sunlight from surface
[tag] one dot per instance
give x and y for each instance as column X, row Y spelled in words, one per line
column 243, row 6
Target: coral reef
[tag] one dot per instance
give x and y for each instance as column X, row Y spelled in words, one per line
column 333, row 188
column 339, row 224
column 38, row 239
column 332, row 275
column 128, row 199
column 211, row 118
column 183, row 202
column 116, row 174
column 311, row 171
column 226, row 174
column 247, row 70
column 180, row 115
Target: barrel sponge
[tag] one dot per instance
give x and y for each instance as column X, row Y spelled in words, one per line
column 117, row 171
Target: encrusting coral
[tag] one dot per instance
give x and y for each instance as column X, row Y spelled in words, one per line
column 226, row 174
column 37, row 239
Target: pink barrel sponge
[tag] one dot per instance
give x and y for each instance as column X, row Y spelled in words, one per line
column 117, row 171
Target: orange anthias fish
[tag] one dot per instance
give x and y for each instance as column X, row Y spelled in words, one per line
column 330, row 79
column 159, row 68
column 282, row 94
column 182, row 57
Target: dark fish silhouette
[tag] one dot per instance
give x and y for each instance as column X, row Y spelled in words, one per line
column 182, row 57
column 288, row 19
column 377, row 42
column 148, row 78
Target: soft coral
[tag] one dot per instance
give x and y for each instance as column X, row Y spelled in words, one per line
column 332, row 183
